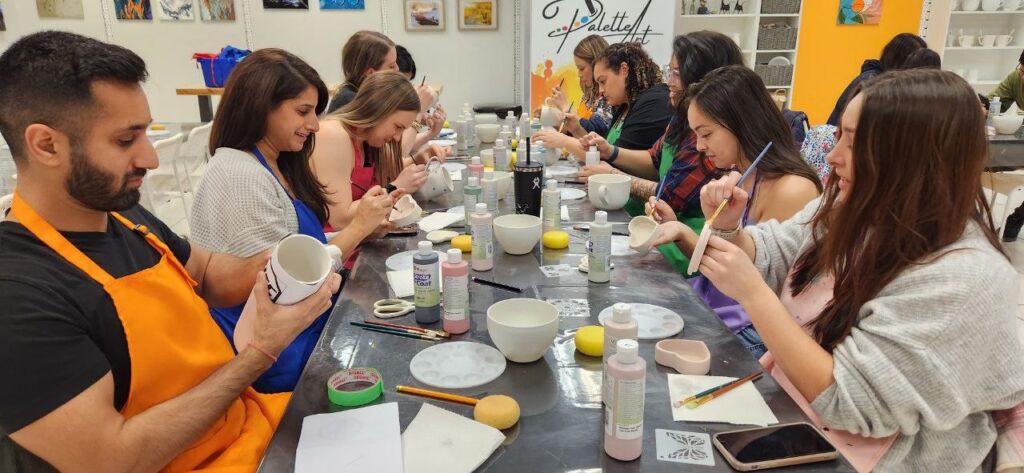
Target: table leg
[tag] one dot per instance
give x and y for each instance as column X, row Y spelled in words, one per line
column 205, row 109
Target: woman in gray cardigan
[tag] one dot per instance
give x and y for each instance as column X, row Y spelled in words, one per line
column 887, row 306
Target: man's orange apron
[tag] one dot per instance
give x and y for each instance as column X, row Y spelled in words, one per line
column 173, row 345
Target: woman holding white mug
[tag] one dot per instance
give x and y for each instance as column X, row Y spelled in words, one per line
column 259, row 187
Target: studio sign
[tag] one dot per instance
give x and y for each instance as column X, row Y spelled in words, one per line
column 617, row 22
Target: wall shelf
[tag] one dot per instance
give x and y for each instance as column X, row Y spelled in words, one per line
column 981, row 12
column 984, row 49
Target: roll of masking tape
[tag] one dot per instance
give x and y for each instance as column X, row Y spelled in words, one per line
column 354, row 387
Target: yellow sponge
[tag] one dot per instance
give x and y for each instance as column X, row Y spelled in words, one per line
column 556, row 239
column 590, row 340
column 498, row 411
column 463, row 243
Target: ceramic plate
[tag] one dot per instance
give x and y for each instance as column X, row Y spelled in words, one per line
column 403, row 261
column 779, row 61
column 654, row 321
column 560, row 170
column 457, row 365
column 454, row 167
column 569, row 193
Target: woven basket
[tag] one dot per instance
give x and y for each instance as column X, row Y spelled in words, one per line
column 777, row 38
column 779, row 7
column 775, row 76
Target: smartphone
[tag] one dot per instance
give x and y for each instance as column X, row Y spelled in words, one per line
column 772, row 447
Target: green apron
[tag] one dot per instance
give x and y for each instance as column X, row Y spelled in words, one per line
column 670, row 251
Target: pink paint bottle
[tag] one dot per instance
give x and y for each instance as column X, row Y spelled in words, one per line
column 624, row 415
column 455, row 273
column 475, row 168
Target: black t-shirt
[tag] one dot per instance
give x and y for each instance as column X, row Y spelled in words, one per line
column 59, row 331
column 646, row 121
column 342, row 98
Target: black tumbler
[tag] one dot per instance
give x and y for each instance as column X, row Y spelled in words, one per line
column 529, row 182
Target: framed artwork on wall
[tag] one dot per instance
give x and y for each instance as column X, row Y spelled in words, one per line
column 59, row 9
column 3, row 26
column 133, row 10
column 478, row 14
column 342, row 4
column 217, row 10
column 286, row 4
column 424, row 15
column 860, row 12
column 175, row 10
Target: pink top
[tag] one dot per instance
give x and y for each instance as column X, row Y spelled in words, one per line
column 862, row 452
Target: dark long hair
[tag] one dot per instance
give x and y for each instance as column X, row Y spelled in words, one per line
column 364, row 50
column 898, row 49
column 919, row 151
column 643, row 73
column 257, row 87
column 698, row 53
column 736, row 98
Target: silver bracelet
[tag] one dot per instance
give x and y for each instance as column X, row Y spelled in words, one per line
column 726, row 234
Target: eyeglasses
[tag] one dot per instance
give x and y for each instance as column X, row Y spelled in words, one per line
column 672, row 73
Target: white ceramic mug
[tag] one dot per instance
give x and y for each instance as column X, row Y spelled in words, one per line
column 548, row 116
column 967, row 40
column 1004, row 40
column 438, row 182
column 608, row 191
column 988, row 40
column 991, row 5
column 1011, row 5
column 298, row 266
column 971, row 5
column 406, row 212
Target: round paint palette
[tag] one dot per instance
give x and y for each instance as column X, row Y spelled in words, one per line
column 570, row 193
column 654, row 321
column 560, row 170
column 457, row 365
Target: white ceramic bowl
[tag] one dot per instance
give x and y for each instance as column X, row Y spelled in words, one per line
column 522, row 329
column 504, row 179
column 488, row 118
column 406, row 212
column 487, row 132
column 1007, row 124
column 642, row 230
column 517, row 233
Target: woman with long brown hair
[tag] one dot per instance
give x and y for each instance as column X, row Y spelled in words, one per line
column 887, row 306
column 593, row 113
column 632, row 84
column 360, row 145
column 259, row 187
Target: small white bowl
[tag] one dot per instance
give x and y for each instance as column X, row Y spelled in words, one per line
column 1007, row 124
column 488, row 118
column 518, row 234
column 642, row 230
column 685, row 356
column 487, row 132
column 522, row 329
column 406, row 212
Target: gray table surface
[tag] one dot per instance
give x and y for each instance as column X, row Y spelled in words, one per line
column 559, row 395
column 1006, row 151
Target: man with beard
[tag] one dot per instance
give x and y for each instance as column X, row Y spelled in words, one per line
column 109, row 358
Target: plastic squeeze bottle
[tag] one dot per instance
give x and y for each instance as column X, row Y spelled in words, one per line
column 475, row 168
column 483, row 244
column 456, row 293
column 593, row 156
column 624, row 415
column 427, row 290
column 490, row 187
column 620, row 327
column 471, row 195
column 500, row 155
column 551, row 202
column 599, row 248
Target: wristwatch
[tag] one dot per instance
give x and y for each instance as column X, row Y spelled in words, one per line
column 390, row 188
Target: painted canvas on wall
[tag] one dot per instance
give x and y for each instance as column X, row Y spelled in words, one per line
column 217, row 10
column 296, row 4
column 3, row 26
column 133, row 9
column 860, row 12
column 176, row 10
column 478, row 14
column 342, row 4
column 424, row 15
column 59, row 9
column 556, row 26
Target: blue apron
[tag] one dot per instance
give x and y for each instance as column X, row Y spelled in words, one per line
column 284, row 374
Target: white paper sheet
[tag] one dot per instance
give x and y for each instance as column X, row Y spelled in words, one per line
column 438, row 440
column 741, row 406
column 439, row 220
column 366, row 439
column 401, row 283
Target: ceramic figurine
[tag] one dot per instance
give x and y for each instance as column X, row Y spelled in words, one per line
column 739, row 7
column 703, row 10
column 724, row 7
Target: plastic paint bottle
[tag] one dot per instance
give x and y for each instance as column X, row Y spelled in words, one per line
column 456, row 293
column 624, row 415
column 551, row 202
column 599, row 248
column 471, row 195
column 427, row 290
column 622, row 326
column 483, row 236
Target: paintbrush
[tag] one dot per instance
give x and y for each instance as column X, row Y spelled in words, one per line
column 746, row 173
column 714, row 389
column 439, row 333
column 497, row 285
column 721, row 391
column 437, row 395
column 371, row 328
column 560, row 127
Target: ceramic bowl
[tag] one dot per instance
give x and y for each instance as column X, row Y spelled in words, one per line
column 684, row 356
column 517, row 233
column 1007, row 124
column 487, row 132
column 504, row 179
column 486, row 118
column 522, row 329
column 608, row 191
column 642, row 231
column 406, row 212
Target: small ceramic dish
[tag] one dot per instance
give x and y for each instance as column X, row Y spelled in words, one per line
column 642, row 230
column 684, row 356
column 406, row 212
